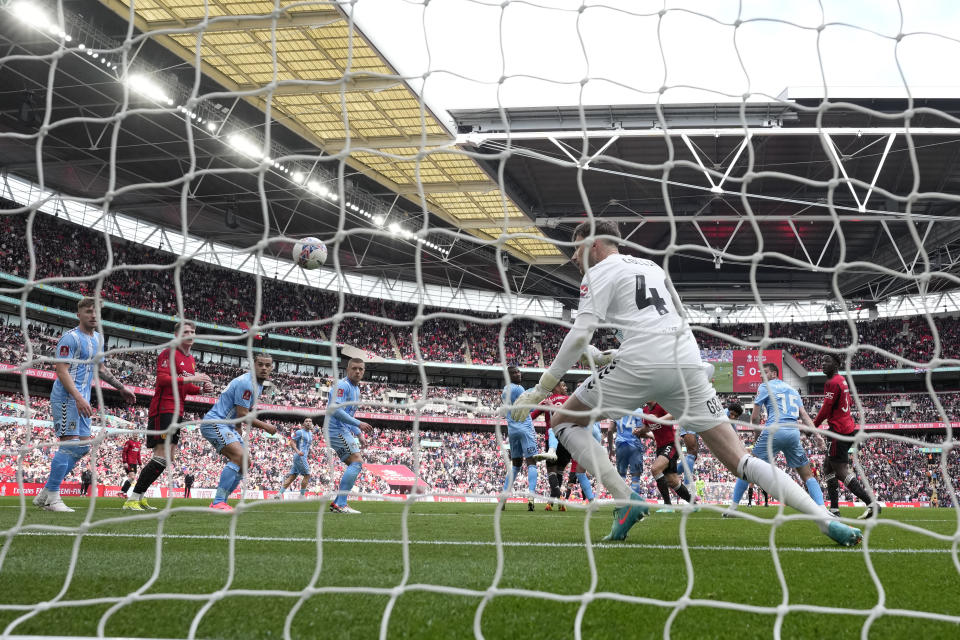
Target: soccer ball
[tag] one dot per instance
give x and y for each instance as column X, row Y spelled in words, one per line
column 309, row 253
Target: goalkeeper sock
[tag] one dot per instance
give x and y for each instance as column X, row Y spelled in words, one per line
column 684, row 493
column 229, row 478
column 591, row 455
column 813, row 488
column 554, row 481
column 779, row 484
column 853, row 486
column 585, row 487
column 739, row 488
column 833, row 491
column 664, row 489
column 532, row 478
column 151, row 471
column 347, row 482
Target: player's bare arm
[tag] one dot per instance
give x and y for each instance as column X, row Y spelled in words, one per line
column 107, row 376
column 259, row 424
column 805, row 419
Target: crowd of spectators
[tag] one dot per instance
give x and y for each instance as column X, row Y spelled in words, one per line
column 448, row 461
column 218, row 295
column 908, row 338
column 137, row 368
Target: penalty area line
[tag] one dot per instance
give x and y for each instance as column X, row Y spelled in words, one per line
column 480, row 543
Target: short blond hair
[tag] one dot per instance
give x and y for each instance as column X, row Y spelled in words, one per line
column 86, row 302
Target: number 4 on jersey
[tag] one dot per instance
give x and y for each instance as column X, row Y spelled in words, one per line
column 643, row 301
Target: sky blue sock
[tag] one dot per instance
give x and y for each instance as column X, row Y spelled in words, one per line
column 236, row 483
column 739, row 488
column 60, row 466
column 303, row 492
column 813, row 488
column 585, row 486
column 229, row 479
column 511, row 474
column 347, row 482
column 688, row 468
column 635, row 484
column 532, row 477
column 552, row 441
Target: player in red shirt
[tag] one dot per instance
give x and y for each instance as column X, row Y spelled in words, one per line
column 836, row 411
column 130, row 456
column 175, row 364
column 664, row 467
column 557, row 457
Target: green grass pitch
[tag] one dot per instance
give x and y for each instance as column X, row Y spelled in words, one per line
column 545, row 572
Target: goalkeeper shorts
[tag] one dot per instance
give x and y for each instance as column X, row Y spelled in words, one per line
column 686, row 394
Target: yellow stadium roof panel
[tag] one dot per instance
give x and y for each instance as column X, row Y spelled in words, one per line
column 306, row 47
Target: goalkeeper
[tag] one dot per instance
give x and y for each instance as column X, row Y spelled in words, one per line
column 658, row 358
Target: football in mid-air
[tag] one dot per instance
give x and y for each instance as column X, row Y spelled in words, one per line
column 309, row 253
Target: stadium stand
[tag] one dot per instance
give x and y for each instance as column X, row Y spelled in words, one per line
column 217, row 295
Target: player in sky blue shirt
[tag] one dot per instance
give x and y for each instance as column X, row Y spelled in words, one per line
column 344, row 429
column 784, row 408
column 300, row 442
column 522, row 438
column 629, row 449
column 223, row 423
column 79, row 359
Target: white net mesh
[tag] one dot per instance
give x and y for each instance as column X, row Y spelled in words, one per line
column 162, row 157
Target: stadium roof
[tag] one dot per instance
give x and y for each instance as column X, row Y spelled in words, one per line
column 309, row 62
column 830, row 184
column 803, row 210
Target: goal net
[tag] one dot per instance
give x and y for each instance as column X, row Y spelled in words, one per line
column 379, row 198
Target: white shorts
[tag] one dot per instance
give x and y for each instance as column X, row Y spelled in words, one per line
column 619, row 388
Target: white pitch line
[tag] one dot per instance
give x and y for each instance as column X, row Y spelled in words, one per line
column 479, row 543
column 267, row 510
column 467, row 514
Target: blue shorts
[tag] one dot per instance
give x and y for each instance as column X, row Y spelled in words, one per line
column 220, row 435
column 67, row 421
column 629, row 458
column 787, row 440
column 299, row 467
column 523, row 443
column 344, row 444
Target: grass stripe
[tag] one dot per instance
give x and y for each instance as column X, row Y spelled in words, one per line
column 482, row 543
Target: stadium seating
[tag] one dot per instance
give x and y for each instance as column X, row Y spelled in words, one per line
column 466, row 461
column 225, row 297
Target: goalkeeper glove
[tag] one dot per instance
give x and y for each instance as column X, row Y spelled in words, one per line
column 600, row 358
column 532, row 397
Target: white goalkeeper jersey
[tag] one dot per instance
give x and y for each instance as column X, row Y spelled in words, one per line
column 631, row 294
